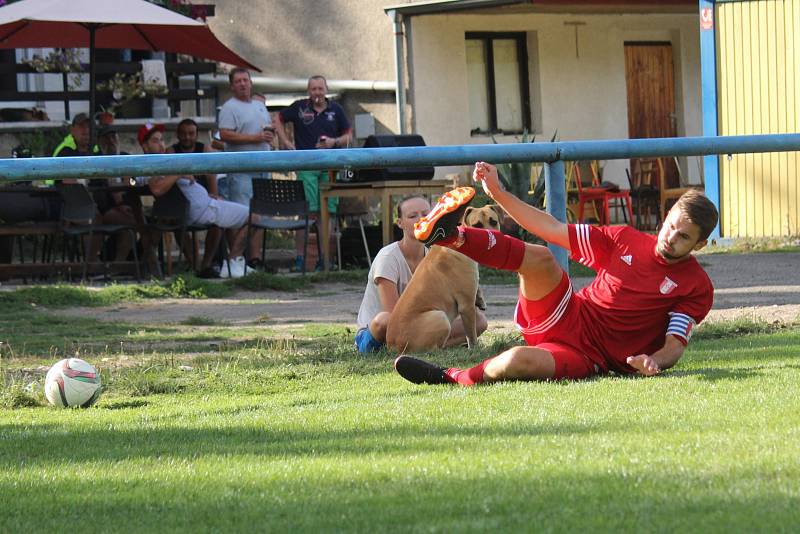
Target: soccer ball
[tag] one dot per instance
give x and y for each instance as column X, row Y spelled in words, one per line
column 72, row 382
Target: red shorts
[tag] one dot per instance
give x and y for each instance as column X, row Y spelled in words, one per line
column 553, row 323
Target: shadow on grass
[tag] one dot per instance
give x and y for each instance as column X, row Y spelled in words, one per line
column 715, row 374
column 407, row 478
column 50, row 336
column 35, row 445
column 123, row 405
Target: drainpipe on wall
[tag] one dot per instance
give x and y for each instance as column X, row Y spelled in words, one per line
column 271, row 83
column 397, row 19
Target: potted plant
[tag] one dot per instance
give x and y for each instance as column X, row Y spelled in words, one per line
column 65, row 60
column 132, row 94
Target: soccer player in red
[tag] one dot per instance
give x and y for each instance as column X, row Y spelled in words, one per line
column 636, row 317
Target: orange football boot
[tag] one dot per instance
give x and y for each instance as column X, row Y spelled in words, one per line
column 445, row 216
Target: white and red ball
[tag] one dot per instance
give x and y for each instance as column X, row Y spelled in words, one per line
column 72, row 382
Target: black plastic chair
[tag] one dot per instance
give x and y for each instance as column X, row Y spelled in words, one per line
column 643, row 181
column 170, row 213
column 281, row 205
column 25, row 217
column 78, row 215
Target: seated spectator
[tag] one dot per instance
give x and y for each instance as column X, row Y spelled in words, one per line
column 188, row 144
column 389, row 276
column 117, row 207
column 109, row 210
column 203, row 209
column 76, row 143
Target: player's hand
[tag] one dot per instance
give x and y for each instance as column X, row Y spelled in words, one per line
column 486, row 175
column 643, row 363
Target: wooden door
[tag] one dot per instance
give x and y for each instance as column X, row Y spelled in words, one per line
column 650, row 81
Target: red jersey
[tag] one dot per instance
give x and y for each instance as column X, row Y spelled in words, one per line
column 637, row 298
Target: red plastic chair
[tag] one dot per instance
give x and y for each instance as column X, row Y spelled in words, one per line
column 584, row 176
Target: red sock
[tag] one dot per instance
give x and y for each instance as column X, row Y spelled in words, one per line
column 468, row 377
column 488, row 247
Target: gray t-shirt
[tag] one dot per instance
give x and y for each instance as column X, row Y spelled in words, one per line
column 195, row 194
column 389, row 263
column 245, row 118
column 198, row 198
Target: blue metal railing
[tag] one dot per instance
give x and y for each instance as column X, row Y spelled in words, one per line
column 154, row 165
column 548, row 153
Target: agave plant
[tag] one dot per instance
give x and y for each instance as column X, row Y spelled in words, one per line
column 518, row 178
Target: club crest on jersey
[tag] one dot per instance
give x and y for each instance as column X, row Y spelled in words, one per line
column 627, row 259
column 667, row 286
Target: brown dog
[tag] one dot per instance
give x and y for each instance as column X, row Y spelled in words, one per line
column 489, row 216
column 444, row 286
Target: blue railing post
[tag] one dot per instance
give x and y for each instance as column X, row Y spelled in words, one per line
column 555, row 197
column 708, row 82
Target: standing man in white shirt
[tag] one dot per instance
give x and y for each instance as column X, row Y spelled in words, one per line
column 244, row 125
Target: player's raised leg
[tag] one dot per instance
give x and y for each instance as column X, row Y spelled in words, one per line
column 538, row 269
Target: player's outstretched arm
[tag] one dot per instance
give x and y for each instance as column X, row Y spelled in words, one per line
column 533, row 220
column 664, row 358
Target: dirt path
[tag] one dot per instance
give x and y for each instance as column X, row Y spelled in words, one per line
column 761, row 286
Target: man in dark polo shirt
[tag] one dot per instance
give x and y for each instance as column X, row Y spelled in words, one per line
column 318, row 123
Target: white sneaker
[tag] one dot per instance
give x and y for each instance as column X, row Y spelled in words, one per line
column 237, row 268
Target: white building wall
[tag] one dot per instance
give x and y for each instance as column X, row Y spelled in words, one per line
column 582, row 97
column 340, row 39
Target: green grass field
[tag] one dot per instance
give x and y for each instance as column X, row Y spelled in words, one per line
column 206, row 427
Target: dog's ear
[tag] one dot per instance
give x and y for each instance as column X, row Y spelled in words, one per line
column 498, row 210
column 466, row 215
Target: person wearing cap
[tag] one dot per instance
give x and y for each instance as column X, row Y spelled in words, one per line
column 108, row 140
column 118, row 207
column 108, row 144
column 203, row 209
column 76, row 143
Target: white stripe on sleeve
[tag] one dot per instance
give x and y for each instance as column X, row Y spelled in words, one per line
column 584, row 247
column 680, row 325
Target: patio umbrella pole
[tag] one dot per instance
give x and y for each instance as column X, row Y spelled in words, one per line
column 92, row 97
